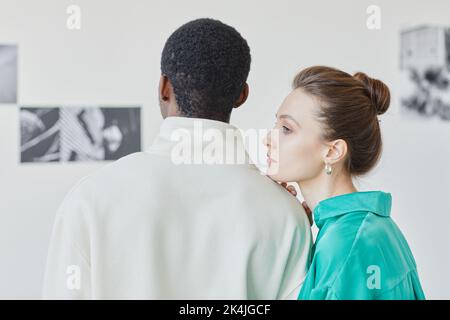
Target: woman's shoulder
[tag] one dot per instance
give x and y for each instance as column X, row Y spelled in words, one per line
column 351, row 237
column 360, row 245
column 335, row 244
column 342, row 233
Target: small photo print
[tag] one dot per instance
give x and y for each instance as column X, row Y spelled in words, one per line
column 8, row 74
column 85, row 133
column 425, row 73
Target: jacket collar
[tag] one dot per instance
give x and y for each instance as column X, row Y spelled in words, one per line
column 199, row 136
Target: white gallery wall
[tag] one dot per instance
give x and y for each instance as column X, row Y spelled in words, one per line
column 114, row 60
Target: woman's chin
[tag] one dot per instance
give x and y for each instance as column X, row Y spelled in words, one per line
column 274, row 175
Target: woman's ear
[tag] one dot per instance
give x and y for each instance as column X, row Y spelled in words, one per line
column 336, row 151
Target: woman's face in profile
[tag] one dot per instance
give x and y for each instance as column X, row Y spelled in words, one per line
column 295, row 146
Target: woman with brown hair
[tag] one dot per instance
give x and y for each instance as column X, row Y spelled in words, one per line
column 329, row 133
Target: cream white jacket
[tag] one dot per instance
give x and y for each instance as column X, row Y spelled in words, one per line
column 144, row 227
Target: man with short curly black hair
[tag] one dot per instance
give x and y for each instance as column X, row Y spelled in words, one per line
column 205, row 65
column 175, row 223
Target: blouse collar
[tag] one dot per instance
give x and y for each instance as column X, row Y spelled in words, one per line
column 377, row 202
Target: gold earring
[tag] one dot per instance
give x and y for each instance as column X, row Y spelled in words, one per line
column 328, row 169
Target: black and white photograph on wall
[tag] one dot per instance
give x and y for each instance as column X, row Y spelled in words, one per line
column 85, row 133
column 8, row 74
column 425, row 72
column 39, row 134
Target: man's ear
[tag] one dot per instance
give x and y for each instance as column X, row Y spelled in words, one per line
column 242, row 97
column 165, row 88
column 337, row 151
column 167, row 101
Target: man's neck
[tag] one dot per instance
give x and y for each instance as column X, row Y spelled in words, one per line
column 217, row 117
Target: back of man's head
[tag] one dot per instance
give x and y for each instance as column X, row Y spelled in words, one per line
column 207, row 63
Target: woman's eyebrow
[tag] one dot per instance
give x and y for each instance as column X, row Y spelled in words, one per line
column 289, row 117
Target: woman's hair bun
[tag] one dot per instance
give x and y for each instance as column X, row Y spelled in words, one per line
column 378, row 92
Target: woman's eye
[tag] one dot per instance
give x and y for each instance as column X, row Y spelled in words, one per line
column 286, row 129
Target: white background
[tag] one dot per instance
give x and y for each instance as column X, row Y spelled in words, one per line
column 114, row 59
